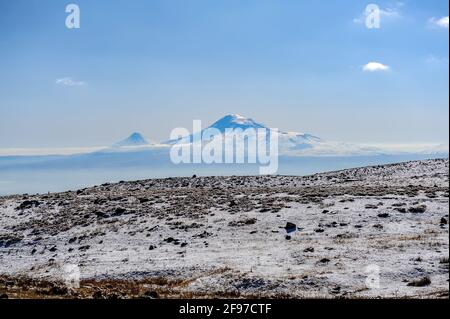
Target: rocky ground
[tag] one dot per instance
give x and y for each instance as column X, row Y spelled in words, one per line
column 323, row 235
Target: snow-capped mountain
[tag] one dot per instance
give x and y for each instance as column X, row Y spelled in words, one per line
column 135, row 139
column 236, row 121
column 289, row 143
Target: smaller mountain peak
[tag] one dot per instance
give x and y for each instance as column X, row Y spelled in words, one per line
column 135, row 139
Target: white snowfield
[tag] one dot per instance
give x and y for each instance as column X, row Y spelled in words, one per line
column 367, row 232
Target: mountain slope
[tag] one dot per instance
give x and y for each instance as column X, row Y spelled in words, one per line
column 289, row 143
column 135, row 139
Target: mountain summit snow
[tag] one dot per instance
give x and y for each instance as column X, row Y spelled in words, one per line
column 235, row 121
column 135, row 139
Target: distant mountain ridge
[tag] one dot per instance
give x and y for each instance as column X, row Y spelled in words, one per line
column 289, row 143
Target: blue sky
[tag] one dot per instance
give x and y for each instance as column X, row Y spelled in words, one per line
column 150, row 66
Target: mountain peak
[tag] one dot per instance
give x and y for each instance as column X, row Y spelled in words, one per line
column 233, row 121
column 135, row 139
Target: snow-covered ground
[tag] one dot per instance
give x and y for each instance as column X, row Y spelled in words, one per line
column 226, row 236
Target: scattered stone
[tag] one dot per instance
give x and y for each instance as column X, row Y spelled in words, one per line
column 335, row 290
column 418, row 209
column 28, row 204
column 290, row 227
column 58, row 291
column 84, row 248
column 8, row 240
column 243, row 222
column 119, row 211
column 422, row 282
column 151, row 294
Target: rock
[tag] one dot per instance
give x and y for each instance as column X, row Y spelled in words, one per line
column 324, row 260
column 119, row 211
column 290, row 227
column 183, row 244
column 232, row 203
column 319, row 230
column 151, row 247
column 4, row 296
column 288, row 237
column 143, row 200
column 443, row 221
column 418, row 209
column 84, row 248
column 401, row 210
column 422, row 282
column 53, row 249
column 28, row 204
column 335, row 290
column 371, row 206
column 101, row 214
column 325, row 211
column 248, row 221
column 151, row 294
column 383, row 215
column 308, row 250
column 58, row 291
column 9, row 240
column 378, row 226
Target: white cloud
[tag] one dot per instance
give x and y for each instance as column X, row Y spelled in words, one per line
column 375, row 67
column 69, row 82
column 439, row 22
